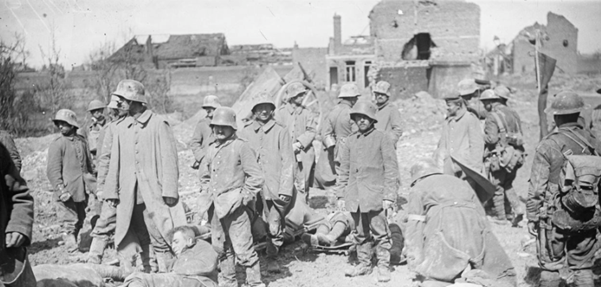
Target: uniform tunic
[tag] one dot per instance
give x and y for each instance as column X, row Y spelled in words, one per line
column 194, row 267
column 202, row 137
column 389, row 121
column 91, row 132
column 143, row 169
column 7, row 140
column 68, row 163
column 447, row 230
column 461, row 138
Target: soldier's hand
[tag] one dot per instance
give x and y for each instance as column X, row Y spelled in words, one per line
column 170, row 201
column 341, row 204
column 14, row 239
column 285, row 198
column 297, row 146
column 387, row 204
column 533, row 228
column 112, row 202
column 64, row 196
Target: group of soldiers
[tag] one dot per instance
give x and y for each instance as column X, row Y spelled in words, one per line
column 122, row 166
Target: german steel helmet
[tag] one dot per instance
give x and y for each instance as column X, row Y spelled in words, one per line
column 211, row 101
column 422, row 169
column 224, row 116
column 365, row 108
column 566, row 102
column 131, row 90
column 295, row 89
column 349, row 90
column 489, row 95
column 467, row 87
column 263, row 98
column 113, row 104
column 95, row 105
column 67, row 116
column 382, row 87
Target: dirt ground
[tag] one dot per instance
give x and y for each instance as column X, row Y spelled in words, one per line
column 422, row 120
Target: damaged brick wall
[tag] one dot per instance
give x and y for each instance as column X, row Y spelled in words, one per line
column 405, row 81
column 561, row 44
column 453, row 25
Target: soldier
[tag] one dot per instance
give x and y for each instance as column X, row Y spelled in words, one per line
column 70, row 172
column 91, row 130
column 105, row 225
column 338, row 124
column 273, row 148
column 301, row 126
column 447, row 234
column 203, row 136
column 470, row 91
column 143, row 174
column 16, row 223
column 366, row 186
column 566, row 242
column 195, row 264
column 236, row 179
column 7, row 140
column 461, row 138
column 502, row 134
column 389, row 118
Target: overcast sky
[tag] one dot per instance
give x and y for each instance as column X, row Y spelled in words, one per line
column 80, row 26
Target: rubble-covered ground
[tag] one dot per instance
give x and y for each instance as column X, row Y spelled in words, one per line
column 422, row 118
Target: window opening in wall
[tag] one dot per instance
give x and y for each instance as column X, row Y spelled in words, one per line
column 333, row 75
column 418, row 48
column 366, row 73
column 350, row 71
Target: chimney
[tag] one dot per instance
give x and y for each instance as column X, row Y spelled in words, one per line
column 337, row 33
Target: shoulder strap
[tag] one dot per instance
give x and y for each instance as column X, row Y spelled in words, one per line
column 500, row 122
column 579, row 139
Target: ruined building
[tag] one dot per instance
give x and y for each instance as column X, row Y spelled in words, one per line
column 421, row 45
column 559, row 40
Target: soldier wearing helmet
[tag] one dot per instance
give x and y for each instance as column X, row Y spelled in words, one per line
column 273, row 148
column 144, row 179
column 389, row 117
column 502, row 135
column 470, row 92
column 91, row 129
column 337, row 125
column 446, row 231
column 235, row 182
column 367, row 183
column 202, row 136
column 105, row 225
column 70, row 173
column 461, row 138
column 561, row 248
column 301, row 124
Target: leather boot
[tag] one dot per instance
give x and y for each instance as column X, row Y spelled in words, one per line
column 335, row 233
column 383, row 256
column 228, row 272
column 96, row 250
column 364, row 255
column 163, row 260
column 253, row 275
column 145, row 258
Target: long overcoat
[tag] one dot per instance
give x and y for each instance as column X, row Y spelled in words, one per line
column 389, row 121
column 144, row 157
column 369, row 171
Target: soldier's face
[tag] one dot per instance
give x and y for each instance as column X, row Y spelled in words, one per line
column 123, row 104
column 222, row 133
column 381, row 98
column 487, row 105
column 209, row 112
column 298, row 99
column 363, row 122
column 180, row 242
column 65, row 128
column 263, row 112
column 453, row 107
column 98, row 114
